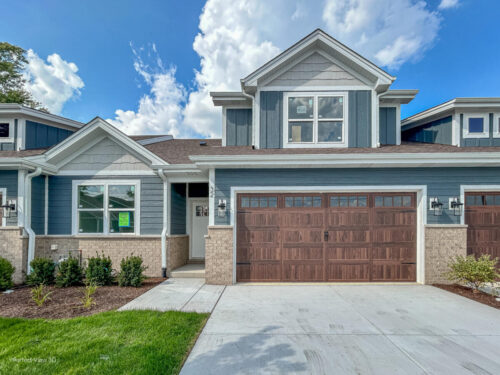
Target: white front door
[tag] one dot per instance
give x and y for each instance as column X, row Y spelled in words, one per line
column 199, row 227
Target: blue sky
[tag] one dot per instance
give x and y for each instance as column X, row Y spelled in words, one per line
column 141, row 57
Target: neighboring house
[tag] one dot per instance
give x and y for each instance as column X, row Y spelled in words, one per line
column 316, row 178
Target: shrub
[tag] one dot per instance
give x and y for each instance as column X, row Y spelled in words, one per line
column 131, row 272
column 39, row 295
column 6, row 272
column 99, row 270
column 87, row 300
column 473, row 272
column 42, row 272
column 69, row 273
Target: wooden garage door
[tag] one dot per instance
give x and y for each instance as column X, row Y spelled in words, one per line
column 326, row 237
column 482, row 215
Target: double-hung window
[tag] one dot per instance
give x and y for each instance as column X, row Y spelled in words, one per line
column 106, row 207
column 315, row 119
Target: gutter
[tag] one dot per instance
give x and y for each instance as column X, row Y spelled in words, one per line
column 27, row 215
column 164, row 231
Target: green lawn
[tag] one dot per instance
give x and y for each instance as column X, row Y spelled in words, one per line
column 129, row 342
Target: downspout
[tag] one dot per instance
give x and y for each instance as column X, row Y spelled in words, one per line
column 252, row 98
column 164, row 231
column 27, row 215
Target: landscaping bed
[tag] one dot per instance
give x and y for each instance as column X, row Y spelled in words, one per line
column 66, row 302
column 125, row 342
column 478, row 296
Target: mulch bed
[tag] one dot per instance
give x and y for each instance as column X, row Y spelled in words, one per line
column 66, row 302
column 479, row 296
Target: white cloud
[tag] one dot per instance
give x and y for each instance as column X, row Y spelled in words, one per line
column 54, row 82
column 447, row 4
column 237, row 36
column 160, row 111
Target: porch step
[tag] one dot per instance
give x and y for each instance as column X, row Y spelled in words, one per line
column 196, row 261
column 196, row 271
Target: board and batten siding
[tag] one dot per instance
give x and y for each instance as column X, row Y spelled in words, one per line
column 271, row 119
column 178, row 209
column 441, row 182
column 40, row 135
column 8, row 180
column 60, row 203
column 38, row 204
column 438, row 131
column 475, row 142
column 238, row 126
column 387, row 124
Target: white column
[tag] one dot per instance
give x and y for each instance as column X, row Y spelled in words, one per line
column 211, row 196
column 46, row 221
column 21, row 178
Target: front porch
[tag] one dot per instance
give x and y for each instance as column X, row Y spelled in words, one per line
column 189, row 271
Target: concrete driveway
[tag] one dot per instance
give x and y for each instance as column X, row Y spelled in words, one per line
column 347, row 329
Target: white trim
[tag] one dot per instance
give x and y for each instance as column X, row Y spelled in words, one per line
column 10, row 138
column 421, row 191
column 455, row 129
column 472, row 188
column 375, row 118
column 496, row 125
column 3, row 192
column 486, row 125
column 256, row 119
column 211, row 196
column 105, row 173
column 187, row 178
column 21, row 192
column 106, row 183
column 46, row 208
column 11, row 108
column 189, row 220
column 315, row 88
column 315, row 120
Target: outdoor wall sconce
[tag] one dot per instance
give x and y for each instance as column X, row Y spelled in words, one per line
column 9, row 208
column 436, row 206
column 221, row 208
column 456, row 206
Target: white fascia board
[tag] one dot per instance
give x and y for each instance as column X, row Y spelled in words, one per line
column 369, row 160
column 37, row 114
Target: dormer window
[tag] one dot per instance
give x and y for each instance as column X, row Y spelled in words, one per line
column 6, row 130
column 476, row 126
column 315, row 119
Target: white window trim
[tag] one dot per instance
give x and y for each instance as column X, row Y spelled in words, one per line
column 315, row 143
column 496, row 125
column 3, row 193
column 10, row 138
column 106, row 183
column 486, row 123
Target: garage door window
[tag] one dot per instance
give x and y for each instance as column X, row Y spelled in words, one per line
column 393, row 201
column 302, row 201
column 259, row 202
column 348, row 201
column 483, row 200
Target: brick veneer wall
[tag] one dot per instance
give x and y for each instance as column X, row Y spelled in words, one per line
column 14, row 248
column 178, row 252
column 442, row 243
column 219, row 255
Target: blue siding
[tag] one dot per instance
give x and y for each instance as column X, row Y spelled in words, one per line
column 438, row 131
column 178, row 209
column 8, row 180
column 239, row 127
column 360, row 119
column 441, row 182
column 474, row 142
column 60, row 201
column 38, row 204
column 41, row 135
column 4, row 146
column 271, row 119
column 387, row 123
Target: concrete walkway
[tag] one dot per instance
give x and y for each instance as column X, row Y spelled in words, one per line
column 347, row 329
column 180, row 295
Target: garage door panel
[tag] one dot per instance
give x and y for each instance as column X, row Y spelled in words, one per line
column 303, row 253
column 246, row 254
column 302, row 236
column 348, row 218
column 295, row 219
column 493, row 250
column 268, row 271
column 260, row 219
column 394, row 235
column 251, row 237
column 393, row 272
column 303, row 271
column 348, row 253
column 395, row 218
column 394, row 253
column 348, row 272
column 348, row 236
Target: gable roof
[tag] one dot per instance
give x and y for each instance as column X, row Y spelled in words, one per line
column 18, row 109
column 91, row 134
column 319, row 38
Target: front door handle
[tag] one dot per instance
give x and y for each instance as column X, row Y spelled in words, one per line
column 326, row 236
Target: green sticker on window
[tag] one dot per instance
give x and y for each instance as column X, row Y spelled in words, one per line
column 124, row 219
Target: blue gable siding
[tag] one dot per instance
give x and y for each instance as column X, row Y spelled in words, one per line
column 60, row 203
column 360, row 119
column 438, row 131
column 8, row 180
column 387, row 123
column 271, row 119
column 239, row 127
column 178, row 209
column 474, row 142
column 38, row 204
column 441, row 182
column 41, row 135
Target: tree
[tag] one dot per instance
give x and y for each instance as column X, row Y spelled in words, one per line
column 12, row 81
